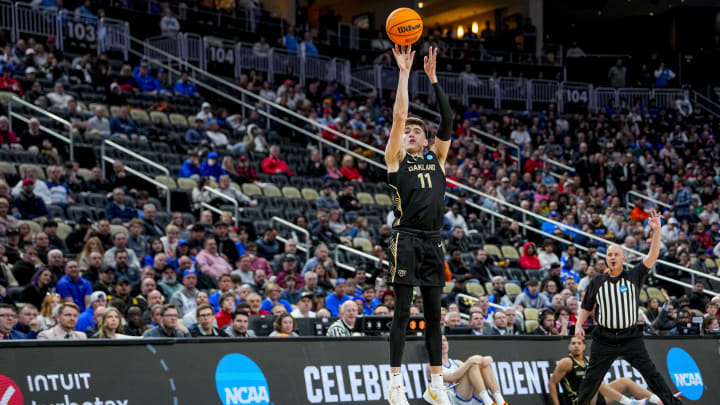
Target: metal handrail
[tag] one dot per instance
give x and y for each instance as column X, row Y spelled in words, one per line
column 226, row 198
column 361, row 253
column 644, row 197
column 42, row 128
column 69, row 140
column 290, row 225
column 144, row 177
column 705, row 99
column 472, row 190
column 134, row 155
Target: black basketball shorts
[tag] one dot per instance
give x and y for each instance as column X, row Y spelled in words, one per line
column 417, row 258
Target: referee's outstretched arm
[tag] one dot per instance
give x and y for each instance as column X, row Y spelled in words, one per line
column 655, row 225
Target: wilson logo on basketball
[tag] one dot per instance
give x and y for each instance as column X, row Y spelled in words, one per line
column 408, row 28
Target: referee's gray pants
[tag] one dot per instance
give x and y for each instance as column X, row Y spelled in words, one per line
column 628, row 344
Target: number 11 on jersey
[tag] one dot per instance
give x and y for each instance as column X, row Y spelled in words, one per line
column 422, row 180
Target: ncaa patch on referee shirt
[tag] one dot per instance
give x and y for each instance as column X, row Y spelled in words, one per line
column 623, row 289
column 401, row 273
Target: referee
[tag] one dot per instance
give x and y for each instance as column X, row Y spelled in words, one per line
column 614, row 297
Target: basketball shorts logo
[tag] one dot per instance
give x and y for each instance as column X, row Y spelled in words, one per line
column 401, row 273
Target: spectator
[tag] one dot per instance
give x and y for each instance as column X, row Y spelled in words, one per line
column 117, row 208
column 86, row 319
column 344, row 326
column 210, row 262
column 205, row 327
column 184, row 299
column 304, row 306
column 122, row 126
column 499, row 324
column 261, row 48
column 227, row 306
column 546, row 326
column 663, row 75
column 58, row 98
column 458, row 240
column 68, row 313
column 284, row 326
column 348, row 169
column 196, row 135
column 211, row 168
column 273, row 298
column 34, row 292
column 347, row 200
column 239, row 326
column 325, row 201
column 191, row 167
column 98, row 124
column 8, row 316
column 27, row 322
column 169, row 326
column 274, row 165
column 150, row 227
column 110, row 325
column 73, row 288
column 168, row 283
column 7, row 83
column 225, row 188
column 333, row 301
column 169, row 25
column 547, row 256
column 268, row 246
column 531, row 297
column 145, row 81
column 617, row 74
column 683, row 200
column 8, row 140
column 289, row 41
column 187, row 88
column 529, row 258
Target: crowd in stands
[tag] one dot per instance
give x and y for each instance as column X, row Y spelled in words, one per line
column 126, row 273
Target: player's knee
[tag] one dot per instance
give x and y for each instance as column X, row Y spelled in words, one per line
column 487, row 361
column 476, row 359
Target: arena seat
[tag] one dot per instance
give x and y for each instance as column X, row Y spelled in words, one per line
column 92, row 107
column 178, row 119
column 383, row 199
column 531, row 325
column 291, row 192
column 531, row 314
column 86, row 174
column 365, row 198
column 363, row 243
column 448, row 287
column 251, row 189
column 512, row 289
column 39, row 169
column 185, row 183
column 271, row 191
column 475, row 289
column 34, row 226
column 493, row 250
column 654, row 292
column 310, row 194
column 118, row 229
column 168, row 181
column 510, row 252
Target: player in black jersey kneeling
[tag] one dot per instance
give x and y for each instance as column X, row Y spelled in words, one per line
column 417, row 257
column 570, row 372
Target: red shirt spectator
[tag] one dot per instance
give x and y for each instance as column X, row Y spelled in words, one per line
column 531, row 166
column 274, row 165
column 529, row 259
column 7, row 137
column 245, row 170
column 7, row 83
column 223, row 318
column 348, row 170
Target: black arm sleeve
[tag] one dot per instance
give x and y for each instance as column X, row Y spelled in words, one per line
column 444, row 132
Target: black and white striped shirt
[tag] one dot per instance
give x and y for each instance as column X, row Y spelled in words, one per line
column 615, row 299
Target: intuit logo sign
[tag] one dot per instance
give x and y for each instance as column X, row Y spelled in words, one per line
column 685, row 374
column 9, row 392
column 240, row 381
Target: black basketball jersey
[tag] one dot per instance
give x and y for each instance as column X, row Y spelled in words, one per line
column 571, row 382
column 419, row 193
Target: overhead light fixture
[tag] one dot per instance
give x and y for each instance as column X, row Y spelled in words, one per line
column 460, row 31
column 475, row 27
column 420, row 4
column 652, row 14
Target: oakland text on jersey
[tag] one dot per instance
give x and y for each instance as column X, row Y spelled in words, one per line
column 421, row 166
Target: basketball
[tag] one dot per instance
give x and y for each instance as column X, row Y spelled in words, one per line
column 404, row 26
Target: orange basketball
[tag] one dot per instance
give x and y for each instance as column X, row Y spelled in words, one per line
column 404, row 26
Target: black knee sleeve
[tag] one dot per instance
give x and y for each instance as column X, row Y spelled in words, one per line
column 433, row 336
column 398, row 328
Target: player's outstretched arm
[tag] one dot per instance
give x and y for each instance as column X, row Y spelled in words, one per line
column 655, row 225
column 563, row 367
column 394, row 153
column 444, row 133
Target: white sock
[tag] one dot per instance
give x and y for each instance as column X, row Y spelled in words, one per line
column 396, row 380
column 625, row 401
column 436, row 380
column 485, row 398
column 499, row 400
column 654, row 399
column 477, row 401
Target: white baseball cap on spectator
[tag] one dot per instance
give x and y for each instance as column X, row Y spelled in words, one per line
column 673, row 221
column 29, row 51
column 30, row 70
column 98, row 296
column 205, row 105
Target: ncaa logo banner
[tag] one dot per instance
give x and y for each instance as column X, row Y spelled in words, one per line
column 293, row 371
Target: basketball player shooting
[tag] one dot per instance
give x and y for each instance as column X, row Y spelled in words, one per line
column 417, row 178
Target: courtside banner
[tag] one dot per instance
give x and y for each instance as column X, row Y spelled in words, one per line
column 304, row 370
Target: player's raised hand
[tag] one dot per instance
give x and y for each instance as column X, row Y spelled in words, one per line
column 654, row 221
column 430, row 63
column 404, row 57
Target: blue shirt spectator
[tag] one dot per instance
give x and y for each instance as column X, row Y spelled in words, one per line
column 86, row 319
column 190, row 167
column 211, row 168
column 122, row 125
column 118, row 209
column 549, row 227
column 185, row 87
column 268, row 304
column 29, row 205
column 195, row 136
column 333, row 301
column 71, row 285
column 290, row 42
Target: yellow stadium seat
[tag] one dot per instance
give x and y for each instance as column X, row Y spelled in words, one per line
column 365, row 198
column 383, row 199
column 291, row 192
column 186, row 183
column 139, row 115
column 157, row 116
column 363, row 243
column 272, row 191
column 531, row 314
column 531, row 326
column 310, row 194
column 493, row 250
column 510, row 252
column 475, row 289
column 168, row 181
column 178, row 119
column 39, row 170
column 512, row 289
column 251, row 189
